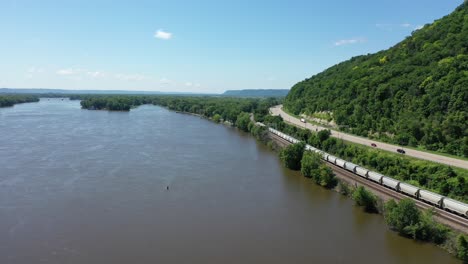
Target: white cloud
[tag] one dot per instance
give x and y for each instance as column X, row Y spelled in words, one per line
column 96, row 74
column 165, row 81
column 35, row 70
column 130, row 77
column 418, row 27
column 66, row 72
column 188, row 84
column 384, row 26
column 349, row 41
column 161, row 34
column 406, row 25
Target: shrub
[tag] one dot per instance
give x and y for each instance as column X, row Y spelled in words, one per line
column 363, row 197
column 291, row 156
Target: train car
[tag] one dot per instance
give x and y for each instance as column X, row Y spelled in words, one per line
column 455, row 206
column 409, row 189
column 319, row 151
column 340, row 162
column 362, row 171
column 430, row 197
column 374, row 176
column 259, row 124
column 331, row 158
column 350, row 166
column 310, row 148
column 325, row 156
column 390, row 182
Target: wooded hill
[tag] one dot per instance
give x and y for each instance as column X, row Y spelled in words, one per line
column 415, row 93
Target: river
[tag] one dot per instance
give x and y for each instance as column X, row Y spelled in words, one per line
column 80, row 186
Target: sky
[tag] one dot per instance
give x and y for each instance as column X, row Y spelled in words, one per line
column 195, row 46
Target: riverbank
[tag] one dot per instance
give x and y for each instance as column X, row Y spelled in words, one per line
column 348, row 183
column 9, row 100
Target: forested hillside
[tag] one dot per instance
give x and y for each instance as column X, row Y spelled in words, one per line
column 415, row 93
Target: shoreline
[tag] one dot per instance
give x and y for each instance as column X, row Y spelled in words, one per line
column 353, row 181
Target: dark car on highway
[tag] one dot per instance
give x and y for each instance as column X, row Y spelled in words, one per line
column 374, row 145
column 401, row 151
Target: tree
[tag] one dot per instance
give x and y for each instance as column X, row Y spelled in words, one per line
column 363, row 197
column 217, row 118
column 462, row 248
column 291, row 156
column 243, row 120
column 327, row 177
column 402, row 216
column 310, row 164
column 324, row 135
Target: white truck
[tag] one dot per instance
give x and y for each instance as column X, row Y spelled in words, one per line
column 303, row 120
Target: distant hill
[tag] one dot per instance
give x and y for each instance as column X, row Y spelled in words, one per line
column 257, row 93
column 415, row 93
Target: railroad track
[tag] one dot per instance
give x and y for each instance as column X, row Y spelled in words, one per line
column 455, row 221
column 458, row 222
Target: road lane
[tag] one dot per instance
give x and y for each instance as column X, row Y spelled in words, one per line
column 277, row 110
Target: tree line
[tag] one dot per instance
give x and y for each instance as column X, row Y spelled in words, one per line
column 224, row 109
column 7, row 100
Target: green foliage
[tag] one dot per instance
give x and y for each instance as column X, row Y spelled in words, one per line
column 310, row 164
column 111, row 103
column 12, row 99
column 439, row 178
column 402, row 216
column 365, row 198
column 462, row 248
column 323, row 135
column 313, row 167
column 217, row 108
column 259, row 132
column 217, row 118
column 327, row 177
column 291, row 156
column 405, row 218
column 414, row 93
column 344, row 188
column 243, row 120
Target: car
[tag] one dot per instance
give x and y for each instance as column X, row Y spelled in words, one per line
column 401, row 151
column 374, row 145
column 303, row 120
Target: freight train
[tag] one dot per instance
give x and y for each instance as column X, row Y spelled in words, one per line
column 434, row 199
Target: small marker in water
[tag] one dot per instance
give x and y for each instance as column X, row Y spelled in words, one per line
column 167, row 187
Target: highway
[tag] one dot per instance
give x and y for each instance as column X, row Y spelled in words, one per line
column 277, row 110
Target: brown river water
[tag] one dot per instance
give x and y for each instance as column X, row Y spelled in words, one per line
column 79, row 186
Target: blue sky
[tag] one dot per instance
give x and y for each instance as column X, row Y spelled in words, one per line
column 195, row 46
